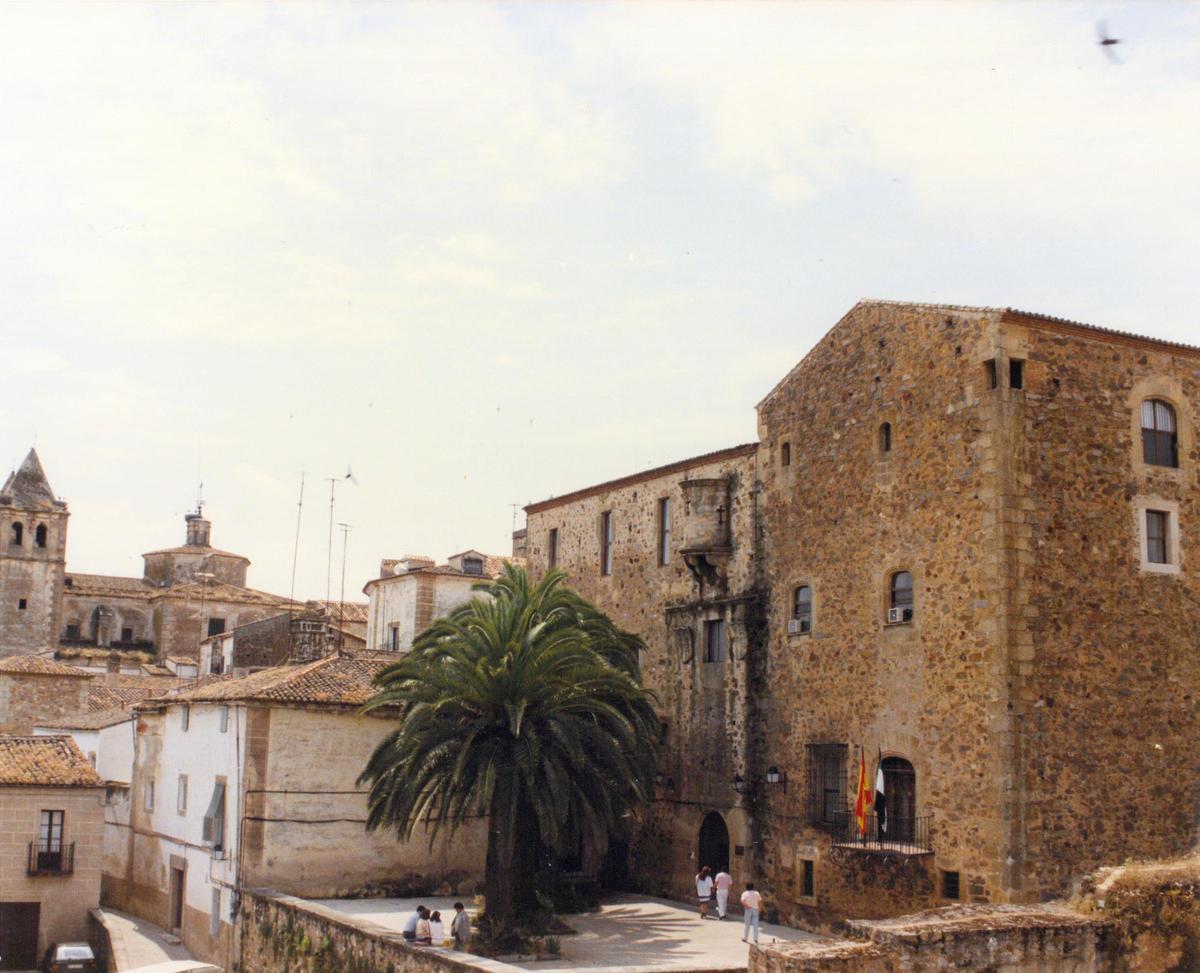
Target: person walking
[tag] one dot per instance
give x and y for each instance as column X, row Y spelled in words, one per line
column 460, row 926
column 704, row 887
column 722, row 884
column 752, row 903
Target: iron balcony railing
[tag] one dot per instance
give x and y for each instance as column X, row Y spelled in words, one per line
column 50, row 859
column 898, row 836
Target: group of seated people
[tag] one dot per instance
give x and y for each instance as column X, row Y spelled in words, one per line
column 424, row 928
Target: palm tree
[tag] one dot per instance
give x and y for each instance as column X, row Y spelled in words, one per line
column 524, row 705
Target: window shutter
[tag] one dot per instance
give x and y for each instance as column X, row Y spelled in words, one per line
column 214, row 817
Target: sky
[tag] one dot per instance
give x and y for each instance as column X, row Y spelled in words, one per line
column 482, row 255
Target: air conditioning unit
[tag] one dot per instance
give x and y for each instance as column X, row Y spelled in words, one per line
column 899, row 615
column 218, row 854
column 793, row 626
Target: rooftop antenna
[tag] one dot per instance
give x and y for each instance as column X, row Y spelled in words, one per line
column 295, row 560
column 200, row 498
column 346, row 528
column 514, row 506
column 333, row 482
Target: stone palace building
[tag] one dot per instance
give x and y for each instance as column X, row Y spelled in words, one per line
column 963, row 546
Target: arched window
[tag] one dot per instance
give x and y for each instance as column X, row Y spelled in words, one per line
column 1160, row 439
column 900, row 597
column 39, row 535
column 801, row 611
column 885, row 438
column 900, row 800
column 18, row 534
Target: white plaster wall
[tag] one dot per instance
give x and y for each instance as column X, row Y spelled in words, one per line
column 390, row 601
column 450, row 593
column 203, row 753
column 115, row 756
column 88, row 741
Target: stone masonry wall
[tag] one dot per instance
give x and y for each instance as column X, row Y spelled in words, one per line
column 280, row 934
column 703, row 705
column 64, row 899
column 841, row 518
column 26, row 700
column 33, row 575
column 1112, row 682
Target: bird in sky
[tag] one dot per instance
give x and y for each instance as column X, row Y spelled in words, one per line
column 1107, row 43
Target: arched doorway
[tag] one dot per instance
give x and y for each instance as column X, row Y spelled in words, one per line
column 900, row 794
column 714, row 843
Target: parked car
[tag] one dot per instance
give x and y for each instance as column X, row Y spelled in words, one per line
column 70, row 958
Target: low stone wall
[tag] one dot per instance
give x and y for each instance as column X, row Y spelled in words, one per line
column 283, row 934
column 1000, row 939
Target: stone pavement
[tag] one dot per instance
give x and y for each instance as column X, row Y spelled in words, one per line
column 629, row 934
column 136, row 942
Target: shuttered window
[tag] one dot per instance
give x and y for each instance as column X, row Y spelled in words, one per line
column 1160, row 441
column 214, row 817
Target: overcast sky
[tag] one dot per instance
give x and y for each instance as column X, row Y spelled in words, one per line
column 486, row 254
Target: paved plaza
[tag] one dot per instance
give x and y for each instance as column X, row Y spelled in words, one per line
column 630, row 933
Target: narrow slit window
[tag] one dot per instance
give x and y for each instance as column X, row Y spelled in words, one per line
column 785, row 454
column 664, row 531
column 1016, row 373
column 716, row 644
column 1157, row 551
column 606, row 542
column 806, row 878
column 801, row 611
column 989, row 371
column 552, row 548
column 885, row 438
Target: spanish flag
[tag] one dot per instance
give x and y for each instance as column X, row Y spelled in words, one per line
column 863, row 796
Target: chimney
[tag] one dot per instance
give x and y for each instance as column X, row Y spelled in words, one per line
column 198, row 529
column 310, row 634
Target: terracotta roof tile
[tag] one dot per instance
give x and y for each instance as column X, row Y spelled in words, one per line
column 107, row 584
column 94, row 720
column 103, row 697
column 49, row 761
column 732, row 452
column 36, row 665
column 338, row 681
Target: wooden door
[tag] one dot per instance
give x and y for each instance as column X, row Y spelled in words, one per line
column 19, row 935
column 178, row 884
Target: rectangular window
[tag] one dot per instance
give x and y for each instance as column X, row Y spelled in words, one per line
column 1016, row 373
column 216, row 626
column 552, row 548
column 22, row 604
column 149, row 795
column 73, row 633
column 126, row 635
column 1156, row 537
column 606, row 542
column 214, row 818
column 50, row 833
column 664, row 530
column 223, row 719
column 827, row 784
column 950, row 886
column 185, row 718
column 394, row 638
column 806, row 878
column 716, row 645
column 989, row 370
column 181, row 795
column 214, row 919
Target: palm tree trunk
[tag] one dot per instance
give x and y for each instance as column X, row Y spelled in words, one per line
column 510, row 882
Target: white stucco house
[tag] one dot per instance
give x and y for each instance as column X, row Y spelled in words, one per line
column 412, row 591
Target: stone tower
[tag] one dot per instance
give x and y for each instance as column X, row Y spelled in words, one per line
column 33, row 554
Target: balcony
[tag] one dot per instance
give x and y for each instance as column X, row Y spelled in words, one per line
column 908, row 837
column 50, row 860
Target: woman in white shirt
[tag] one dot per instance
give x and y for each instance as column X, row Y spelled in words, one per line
column 704, row 887
column 436, row 935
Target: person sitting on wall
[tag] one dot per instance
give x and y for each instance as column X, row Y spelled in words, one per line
column 436, row 934
column 424, row 930
column 409, row 930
